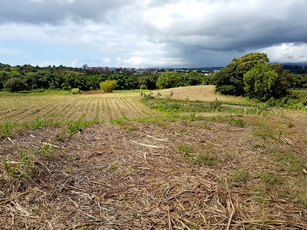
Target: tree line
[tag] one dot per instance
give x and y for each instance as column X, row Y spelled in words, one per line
column 27, row 77
column 251, row 75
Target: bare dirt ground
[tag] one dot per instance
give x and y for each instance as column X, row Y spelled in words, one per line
column 134, row 176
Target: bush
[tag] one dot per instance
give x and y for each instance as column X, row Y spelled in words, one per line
column 227, row 89
column 143, row 87
column 75, row 91
column 15, row 84
column 108, row 86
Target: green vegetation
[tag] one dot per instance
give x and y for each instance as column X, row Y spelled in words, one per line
column 252, row 76
column 22, row 168
column 236, row 122
column 27, row 78
column 172, row 79
column 187, row 106
column 229, row 80
column 239, row 178
column 206, row 157
column 108, row 86
column 185, row 150
column 6, row 129
column 293, row 162
column 75, row 91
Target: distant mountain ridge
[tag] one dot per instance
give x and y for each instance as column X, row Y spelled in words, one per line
column 301, row 64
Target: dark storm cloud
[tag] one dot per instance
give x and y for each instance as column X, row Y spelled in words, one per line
column 55, row 11
column 164, row 32
column 235, row 25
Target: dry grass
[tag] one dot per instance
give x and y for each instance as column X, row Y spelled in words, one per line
column 203, row 92
column 27, row 108
column 116, row 177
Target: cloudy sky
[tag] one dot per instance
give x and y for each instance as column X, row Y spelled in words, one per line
column 150, row 33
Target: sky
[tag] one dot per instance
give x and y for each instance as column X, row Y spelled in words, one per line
column 150, row 33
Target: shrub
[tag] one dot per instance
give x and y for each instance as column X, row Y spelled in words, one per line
column 226, row 89
column 75, row 91
column 108, row 86
column 143, row 87
column 15, row 84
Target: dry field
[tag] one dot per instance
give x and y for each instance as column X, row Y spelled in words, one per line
column 160, row 173
column 206, row 93
column 102, row 107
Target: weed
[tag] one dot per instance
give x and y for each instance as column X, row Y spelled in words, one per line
column 236, row 122
column 75, row 91
column 299, row 193
column 290, row 160
column 185, row 150
column 239, row 178
column 46, row 150
column 38, row 123
column 6, row 129
column 216, row 105
column 290, row 124
column 130, row 128
column 118, row 121
column 61, row 135
column 269, row 179
column 260, row 194
column 205, row 125
column 22, row 168
column 148, row 96
column 113, row 166
column 264, row 132
column 262, row 109
column 207, row 158
column 68, row 169
column 259, row 146
column 78, row 126
column 171, row 94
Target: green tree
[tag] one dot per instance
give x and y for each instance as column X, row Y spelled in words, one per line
column 108, row 86
column 15, row 84
column 3, row 78
column 169, row 79
column 284, row 81
column 260, row 82
column 229, row 80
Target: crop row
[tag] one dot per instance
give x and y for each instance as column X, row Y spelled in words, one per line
column 63, row 108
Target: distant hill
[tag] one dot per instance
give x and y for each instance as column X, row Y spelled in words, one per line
column 301, row 64
column 296, row 67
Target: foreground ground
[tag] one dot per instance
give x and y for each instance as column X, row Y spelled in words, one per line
column 217, row 171
column 164, row 174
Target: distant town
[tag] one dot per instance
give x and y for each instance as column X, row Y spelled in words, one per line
column 204, row 70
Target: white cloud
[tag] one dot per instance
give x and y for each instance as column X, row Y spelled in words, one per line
column 287, row 52
column 75, row 63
